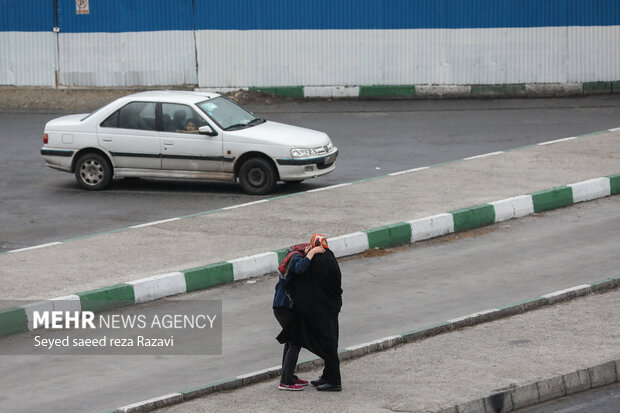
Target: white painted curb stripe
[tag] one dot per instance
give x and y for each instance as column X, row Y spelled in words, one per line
column 158, row 286
column 568, row 290
column 349, row 244
column 614, row 130
column 591, row 189
column 40, row 306
column 135, row 406
column 431, row 227
column 331, row 91
column 515, row 207
column 70, row 303
column 370, row 343
column 474, row 315
column 254, row 265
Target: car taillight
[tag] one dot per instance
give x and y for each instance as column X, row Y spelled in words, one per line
column 45, row 139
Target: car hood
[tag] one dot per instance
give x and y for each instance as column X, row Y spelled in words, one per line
column 66, row 122
column 274, row 133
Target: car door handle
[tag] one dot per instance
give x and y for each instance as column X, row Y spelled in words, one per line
column 168, row 143
column 107, row 139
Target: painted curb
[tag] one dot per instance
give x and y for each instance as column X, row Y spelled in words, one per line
column 388, row 236
column 519, row 397
column 437, row 91
column 516, row 397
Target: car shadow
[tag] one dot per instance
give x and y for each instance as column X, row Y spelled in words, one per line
column 192, row 186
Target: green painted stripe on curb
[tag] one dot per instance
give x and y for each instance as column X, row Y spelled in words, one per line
column 106, row 298
column 385, row 90
column 498, row 90
column 597, row 87
column 474, row 217
column 389, row 235
column 281, row 254
column 425, row 332
column 285, row 91
column 209, row 388
column 614, row 183
column 13, row 320
column 204, row 277
column 552, row 198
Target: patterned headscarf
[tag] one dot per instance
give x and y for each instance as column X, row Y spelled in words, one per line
column 290, row 252
column 318, row 240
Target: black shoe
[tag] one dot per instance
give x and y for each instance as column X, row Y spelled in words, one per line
column 329, row 387
column 318, row 382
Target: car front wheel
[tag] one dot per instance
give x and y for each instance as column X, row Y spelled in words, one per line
column 257, row 176
column 93, row 171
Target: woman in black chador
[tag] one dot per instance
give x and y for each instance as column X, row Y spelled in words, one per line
column 317, row 299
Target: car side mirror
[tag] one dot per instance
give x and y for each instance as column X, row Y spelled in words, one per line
column 206, row 130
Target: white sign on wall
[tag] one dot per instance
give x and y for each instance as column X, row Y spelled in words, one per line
column 81, row 7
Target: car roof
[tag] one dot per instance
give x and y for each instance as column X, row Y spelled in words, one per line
column 172, row 96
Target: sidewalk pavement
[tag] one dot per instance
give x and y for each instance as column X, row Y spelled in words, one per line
column 212, row 237
column 519, row 360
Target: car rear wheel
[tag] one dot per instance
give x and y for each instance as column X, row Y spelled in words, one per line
column 257, row 176
column 93, row 171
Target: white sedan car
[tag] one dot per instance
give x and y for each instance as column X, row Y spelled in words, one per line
column 185, row 135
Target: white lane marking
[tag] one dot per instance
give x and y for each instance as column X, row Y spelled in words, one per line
column 409, row 171
column 245, row 205
column 614, row 130
column 37, row 247
column 557, row 140
column 329, row 187
column 154, row 223
column 483, row 155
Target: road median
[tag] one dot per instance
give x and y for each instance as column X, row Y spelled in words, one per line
column 388, row 236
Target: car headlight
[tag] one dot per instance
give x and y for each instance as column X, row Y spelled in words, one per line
column 302, row 152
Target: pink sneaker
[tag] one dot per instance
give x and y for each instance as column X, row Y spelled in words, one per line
column 291, row 387
column 302, row 382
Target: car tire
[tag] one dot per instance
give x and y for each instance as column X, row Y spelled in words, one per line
column 257, row 176
column 93, row 171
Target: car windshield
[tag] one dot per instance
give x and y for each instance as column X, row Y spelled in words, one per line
column 228, row 115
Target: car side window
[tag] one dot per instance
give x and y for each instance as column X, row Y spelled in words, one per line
column 181, row 118
column 111, row 121
column 134, row 115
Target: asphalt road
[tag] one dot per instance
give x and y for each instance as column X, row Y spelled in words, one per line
column 40, row 205
column 414, row 287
